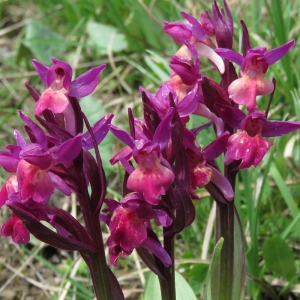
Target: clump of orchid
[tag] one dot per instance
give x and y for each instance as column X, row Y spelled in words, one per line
column 163, row 161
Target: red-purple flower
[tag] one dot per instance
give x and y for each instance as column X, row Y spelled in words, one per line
column 16, row 229
column 153, row 176
column 128, row 222
column 32, row 162
column 58, row 79
column 255, row 63
column 250, row 144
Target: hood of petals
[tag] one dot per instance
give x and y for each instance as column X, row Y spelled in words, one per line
column 177, row 30
column 254, row 124
column 34, row 154
column 59, row 71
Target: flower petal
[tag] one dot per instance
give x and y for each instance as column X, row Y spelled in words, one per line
column 206, row 51
column 86, row 83
column 230, row 55
column 243, row 91
column 56, row 101
column 274, row 55
column 278, row 128
column 250, row 150
column 42, row 70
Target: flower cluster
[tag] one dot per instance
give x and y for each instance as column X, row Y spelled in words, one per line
column 44, row 162
column 164, row 163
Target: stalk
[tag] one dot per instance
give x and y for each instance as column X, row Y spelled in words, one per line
column 96, row 261
column 225, row 227
column 167, row 286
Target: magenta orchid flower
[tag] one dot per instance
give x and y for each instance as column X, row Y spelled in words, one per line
column 250, row 144
column 15, row 228
column 196, row 35
column 255, row 63
column 58, row 79
column 202, row 172
column 153, row 176
column 128, row 222
column 32, row 163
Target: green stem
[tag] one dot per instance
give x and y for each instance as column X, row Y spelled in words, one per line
column 167, row 286
column 224, row 283
column 225, row 217
column 98, row 266
column 96, row 261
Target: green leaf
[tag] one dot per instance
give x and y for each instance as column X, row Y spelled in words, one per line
column 212, row 269
column 183, row 289
column 286, row 194
column 279, row 257
column 42, row 42
column 197, row 276
column 103, row 36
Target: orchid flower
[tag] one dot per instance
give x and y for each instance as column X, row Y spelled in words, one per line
column 250, row 144
column 255, row 63
column 151, row 178
column 128, row 221
column 32, row 163
column 58, row 79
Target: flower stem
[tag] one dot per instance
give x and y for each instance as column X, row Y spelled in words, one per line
column 167, row 286
column 225, row 227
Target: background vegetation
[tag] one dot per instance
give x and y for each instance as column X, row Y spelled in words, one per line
column 128, row 36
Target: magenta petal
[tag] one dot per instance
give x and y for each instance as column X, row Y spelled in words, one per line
column 41, row 69
column 124, row 154
column 127, row 232
column 68, row 151
column 86, row 83
column 243, row 91
column 278, row 128
column 189, row 103
column 15, row 228
column 163, row 132
column 274, row 55
column 60, row 184
column 250, row 150
column 19, row 139
column 8, row 161
column 34, row 182
column 150, row 178
column 156, row 248
column 122, row 135
column 100, row 130
column 10, row 187
column 162, row 218
column 177, row 30
column 184, row 68
column 230, row 55
column 56, row 101
column 197, row 30
column 217, row 147
column 36, row 130
column 36, row 155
